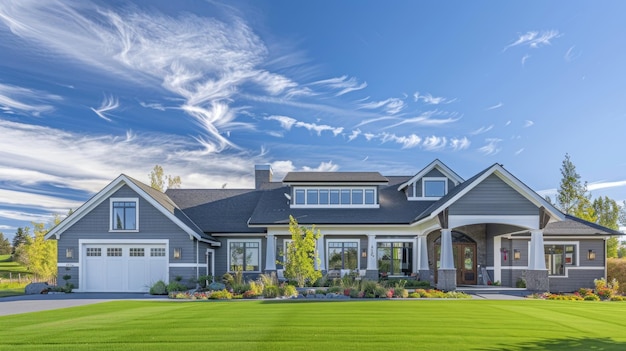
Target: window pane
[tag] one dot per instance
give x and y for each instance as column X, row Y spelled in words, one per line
column 236, row 256
column 114, row 251
column 434, row 188
column 311, row 196
column 118, row 218
column 323, row 196
column 357, row 197
column 369, row 197
column 157, row 252
column 252, row 258
column 299, row 196
column 130, row 223
column 137, row 252
column 345, row 196
column 334, row 197
column 334, row 257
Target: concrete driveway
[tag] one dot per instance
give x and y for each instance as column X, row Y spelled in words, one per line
column 34, row 303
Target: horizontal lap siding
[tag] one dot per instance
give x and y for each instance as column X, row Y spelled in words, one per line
column 577, row 278
column 493, row 197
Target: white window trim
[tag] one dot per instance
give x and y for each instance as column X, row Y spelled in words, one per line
column 425, row 198
column 576, row 244
column 123, row 199
column 306, row 194
column 228, row 241
column 358, row 250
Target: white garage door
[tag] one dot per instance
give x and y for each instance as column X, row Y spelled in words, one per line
column 123, row 267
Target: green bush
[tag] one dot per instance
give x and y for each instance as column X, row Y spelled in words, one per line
column 221, row 295
column 159, row 288
column 616, row 269
column 335, row 290
column 176, row 286
column 417, row 284
column 240, row 288
column 228, row 279
column 521, row 283
column 270, row 291
column 400, row 292
column 290, row 291
column 368, row 287
column 204, row 280
column 380, row 291
column 591, row 297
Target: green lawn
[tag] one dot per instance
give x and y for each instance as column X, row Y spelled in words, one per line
column 353, row 325
column 8, row 268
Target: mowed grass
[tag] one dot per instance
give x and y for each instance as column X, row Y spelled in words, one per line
column 353, row 325
column 9, row 268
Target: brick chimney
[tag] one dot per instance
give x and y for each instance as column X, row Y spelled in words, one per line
column 262, row 176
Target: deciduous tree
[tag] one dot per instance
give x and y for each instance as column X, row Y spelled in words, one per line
column 41, row 253
column 158, row 179
column 301, row 256
column 5, row 245
column 571, row 191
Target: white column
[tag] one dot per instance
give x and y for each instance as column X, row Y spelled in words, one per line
column 497, row 259
column 270, row 253
column 536, row 256
column 422, row 253
column 321, row 249
column 447, row 259
column 372, row 264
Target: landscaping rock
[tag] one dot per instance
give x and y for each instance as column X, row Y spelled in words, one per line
column 217, row 286
column 36, row 288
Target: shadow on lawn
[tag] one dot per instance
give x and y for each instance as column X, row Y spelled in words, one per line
column 563, row 344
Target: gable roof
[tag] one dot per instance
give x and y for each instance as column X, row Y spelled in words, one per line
column 334, row 177
column 156, row 198
column 435, row 164
column 496, row 169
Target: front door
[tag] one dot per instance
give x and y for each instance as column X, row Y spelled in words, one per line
column 464, row 256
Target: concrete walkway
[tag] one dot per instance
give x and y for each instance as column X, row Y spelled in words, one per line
column 34, row 303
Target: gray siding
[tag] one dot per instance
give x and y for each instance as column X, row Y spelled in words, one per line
column 432, row 173
column 577, row 278
column 493, row 197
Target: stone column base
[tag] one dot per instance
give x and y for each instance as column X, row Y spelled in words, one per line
column 424, row 275
column 446, row 279
column 537, row 280
column 371, row 274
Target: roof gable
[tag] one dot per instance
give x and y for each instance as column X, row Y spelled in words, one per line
column 156, row 198
column 435, row 165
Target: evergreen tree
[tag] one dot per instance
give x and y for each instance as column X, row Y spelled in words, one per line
column 608, row 212
column 21, row 237
column 301, row 255
column 571, row 191
column 5, row 245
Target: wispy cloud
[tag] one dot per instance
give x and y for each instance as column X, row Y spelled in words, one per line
column 492, row 146
column 109, row 103
column 354, row 135
column 571, row 54
column 496, row 106
column 407, row 142
column 459, row 143
column 391, row 106
column 344, row 84
column 519, row 151
column 605, row 185
column 281, row 168
column 528, row 123
column 481, row 130
column 524, row 59
column 426, row 120
column 434, row 143
column 17, row 99
column 534, row 39
column 288, row 122
column 431, row 100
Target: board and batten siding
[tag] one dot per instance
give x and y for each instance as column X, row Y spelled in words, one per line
column 493, row 197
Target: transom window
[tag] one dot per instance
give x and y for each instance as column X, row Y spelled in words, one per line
column 137, row 252
column 330, row 197
column 94, row 251
column 157, row 252
column 434, row 187
column 558, row 257
column 114, row 251
column 343, row 255
column 244, row 256
column 124, row 214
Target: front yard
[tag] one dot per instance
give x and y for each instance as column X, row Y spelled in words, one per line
column 13, row 277
column 317, row 325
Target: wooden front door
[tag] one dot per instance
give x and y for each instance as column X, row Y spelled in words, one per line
column 464, row 256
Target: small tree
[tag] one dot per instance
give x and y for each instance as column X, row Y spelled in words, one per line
column 571, row 191
column 158, row 179
column 301, row 256
column 42, row 254
column 5, row 245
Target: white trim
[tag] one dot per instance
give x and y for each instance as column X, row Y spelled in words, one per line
column 123, row 199
column 319, row 187
column 210, row 272
column 358, row 250
column 497, row 258
column 336, row 206
column 68, row 264
column 186, row 265
column 228, row 241
column 525, row 221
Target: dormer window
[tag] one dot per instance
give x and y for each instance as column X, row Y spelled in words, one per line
column 124, row 214
column 434, row 187
column 336, row 197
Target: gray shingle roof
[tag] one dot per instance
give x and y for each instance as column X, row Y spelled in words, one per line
column 334, row 177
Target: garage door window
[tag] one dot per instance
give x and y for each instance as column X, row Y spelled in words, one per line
column 137, row 252
column 94, row 251
column 114, row 251
column 157, row 252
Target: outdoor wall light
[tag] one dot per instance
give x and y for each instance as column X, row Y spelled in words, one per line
column 591, row 255
column 69, row 253
column 517, row 254
column 178, row 253
column 364, row 253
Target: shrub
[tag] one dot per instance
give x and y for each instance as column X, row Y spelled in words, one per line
column 256, row 287
column 354, row 293
column 270, row 291
column 159, row 288
column 368, row 287
column 604, row 293
column 400, row 292
column 617, row 298
column 250, row 294
column 240, row 288
column 175, row 286
column 290, row 291
column 221, row 295
column 584, row 291
column 228, row 279
column 217, row 286
column 380, row 291
column 456, row 295
column 417, row 284
column 591, row 297
column 335, row 290
column 616, row 269
column 204, row 280
column 520, row 283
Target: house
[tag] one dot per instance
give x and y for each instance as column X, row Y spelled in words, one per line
column 433, row 225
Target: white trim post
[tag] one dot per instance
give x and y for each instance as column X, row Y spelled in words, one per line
column 270, row 253
column 321, row 250
column 446, row 274
column 537, row 278
column 422, row 258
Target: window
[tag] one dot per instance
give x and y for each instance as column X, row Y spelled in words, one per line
column 114, row 251
column 244, row 256
column 558, row 257
column 357, row 197
column 311, row 196
column 299, row 196
column 124, row 214
column 369, row 197
column 323, row 196
column 343, row 255
column 335, row 196
column 345, row 196
column 157, row 252
column 395, row 258
column 434, row 187
column 94, row 251
column 137, row 252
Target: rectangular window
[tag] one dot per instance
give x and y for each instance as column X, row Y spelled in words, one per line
column 558, row 257
column 343, row 255
column 244, row 256
column 124, row 215
column 323, row 196
column 357, row 197
column 137, row 252
column 157, row 252
column 299, row 196
column 345, row 196
column 334, row 196
column 311, row 196
column 114, row 251
column 395, row 258
column 94, row 251
column 434, row 188
column 369, row 197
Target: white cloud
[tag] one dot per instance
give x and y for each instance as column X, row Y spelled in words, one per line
column 571, row 55
column 534, row 39
column 281, row 168
column 34, row 102
column 354, row 135
column 519, row 151
column 524, row 59
column 343, row 84
column 605, row 185
column 391, row 106
column 528, row 123
column 482, row 130
column 434, row 143
column 459, row 144
column 507, row 123
column 492, row 146
column 496, row 106
column 431, row 100
column 407, row 142
column 425, row 120
column 109, row 103
column 288, row 122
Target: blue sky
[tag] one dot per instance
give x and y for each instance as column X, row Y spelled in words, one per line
column 89, row 90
